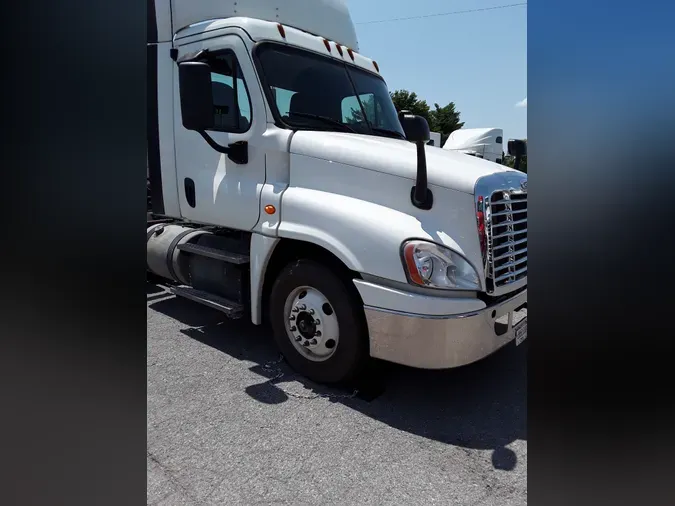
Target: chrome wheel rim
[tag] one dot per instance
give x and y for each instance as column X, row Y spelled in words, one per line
column 311, row 324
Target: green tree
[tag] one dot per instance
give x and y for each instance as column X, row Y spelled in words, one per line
column 445, row 120
column 509, row 161
column 523, row 164
column 407, row 101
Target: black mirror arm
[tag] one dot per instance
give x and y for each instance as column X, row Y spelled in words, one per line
column 421, row 195
column 237, row 152
column 209, row 140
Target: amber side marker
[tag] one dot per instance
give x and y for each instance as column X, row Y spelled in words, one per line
column 270, row 209
column 409, row 256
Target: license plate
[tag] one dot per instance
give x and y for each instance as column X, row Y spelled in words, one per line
column 521, row 332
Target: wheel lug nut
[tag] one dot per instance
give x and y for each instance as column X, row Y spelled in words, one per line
column 295, row 310
column 302, row 307
column 292, row 318
column 313, row 341
column 305, row 344
column 317, row 321
column 311, row 311
column 293, row 328
column 317, row 333
column 298, row 339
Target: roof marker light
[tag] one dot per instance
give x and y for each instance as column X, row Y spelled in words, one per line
column 281, row 30
column 339, row 49
column 377, row 67
column 327, row 44
column 351, row 53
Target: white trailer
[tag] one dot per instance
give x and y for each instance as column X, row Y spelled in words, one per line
column 486, row 143
column 285, row 188
column 435, row 140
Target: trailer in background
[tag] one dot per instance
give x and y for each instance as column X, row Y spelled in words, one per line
column 486, row 143
column 435, row 139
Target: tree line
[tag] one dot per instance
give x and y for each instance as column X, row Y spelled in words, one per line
column 443, row 120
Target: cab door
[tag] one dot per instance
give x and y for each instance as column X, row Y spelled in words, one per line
column 212, row 188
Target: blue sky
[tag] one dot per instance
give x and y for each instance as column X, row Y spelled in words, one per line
column 477, row 60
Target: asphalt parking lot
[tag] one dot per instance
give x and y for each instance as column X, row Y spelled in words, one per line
column 227, row 424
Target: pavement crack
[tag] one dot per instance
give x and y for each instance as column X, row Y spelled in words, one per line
column 173, row 479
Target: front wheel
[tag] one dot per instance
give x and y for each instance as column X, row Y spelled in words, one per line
column 318, row 323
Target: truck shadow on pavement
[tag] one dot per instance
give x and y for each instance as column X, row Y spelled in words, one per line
column 482, row 406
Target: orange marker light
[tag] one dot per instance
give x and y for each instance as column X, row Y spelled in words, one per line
column 409, row 256
column 270, row 209
column 351, row 53
column 327, row 44
column 339, row 49
column 377, row 67
column 281, row 30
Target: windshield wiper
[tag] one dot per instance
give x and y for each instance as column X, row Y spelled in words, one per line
column 390, row 133
column 325, row 119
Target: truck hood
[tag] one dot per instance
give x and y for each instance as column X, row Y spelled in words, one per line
column 447, row 169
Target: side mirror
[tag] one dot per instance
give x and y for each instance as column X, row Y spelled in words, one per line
column 196, row 108
column 196, row 96
column 517, row 148
column 416, row 128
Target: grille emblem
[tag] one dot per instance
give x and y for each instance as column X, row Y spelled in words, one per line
column 523, row 184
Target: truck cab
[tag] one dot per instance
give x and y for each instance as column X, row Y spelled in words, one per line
column 285, row 189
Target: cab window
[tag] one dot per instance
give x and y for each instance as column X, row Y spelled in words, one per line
column 231, row 101
column 352, row 112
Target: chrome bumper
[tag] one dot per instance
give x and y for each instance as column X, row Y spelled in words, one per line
column 442, row 342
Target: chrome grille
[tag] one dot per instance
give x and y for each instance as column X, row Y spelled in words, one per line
column 506, row 231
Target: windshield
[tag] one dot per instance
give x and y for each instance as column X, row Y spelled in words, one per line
column 319, row 93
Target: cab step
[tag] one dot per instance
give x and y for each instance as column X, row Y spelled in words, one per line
column 232, row 309
column 217, row 254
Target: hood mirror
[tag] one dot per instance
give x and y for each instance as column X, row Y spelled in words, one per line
column 517, row 149
column 417, row 130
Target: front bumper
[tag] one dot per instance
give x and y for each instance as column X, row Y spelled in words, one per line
column 443, row 341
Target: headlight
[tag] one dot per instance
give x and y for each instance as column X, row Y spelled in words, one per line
column 431, row 265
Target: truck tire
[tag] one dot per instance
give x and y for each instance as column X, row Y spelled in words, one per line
column 318, row 323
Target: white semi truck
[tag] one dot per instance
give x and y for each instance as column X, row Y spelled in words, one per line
column 486, row 143
column 285, row 188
